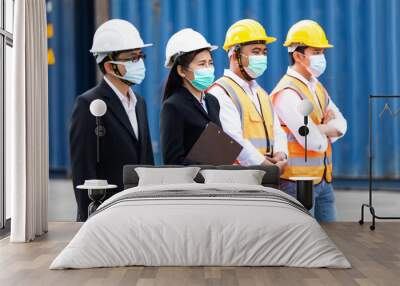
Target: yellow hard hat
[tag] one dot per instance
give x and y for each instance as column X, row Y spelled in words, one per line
column 307, row 33
column 244, row 31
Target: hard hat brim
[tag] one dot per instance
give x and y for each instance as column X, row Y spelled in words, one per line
column 122, row 49
column 212, row 47
column 147, row 45
column 168, row 63
column 269, row 40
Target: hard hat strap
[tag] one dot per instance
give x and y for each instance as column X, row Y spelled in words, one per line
column 239, row 59
column 114, row 66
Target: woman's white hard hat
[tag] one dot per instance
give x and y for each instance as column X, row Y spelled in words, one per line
column 185, row 41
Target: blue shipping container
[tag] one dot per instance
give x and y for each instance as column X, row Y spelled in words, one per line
column 364, row 61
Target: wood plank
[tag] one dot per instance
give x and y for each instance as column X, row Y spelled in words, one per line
column 375, row 257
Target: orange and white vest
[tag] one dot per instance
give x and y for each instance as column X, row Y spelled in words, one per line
column 257, row 127
column 319, row 164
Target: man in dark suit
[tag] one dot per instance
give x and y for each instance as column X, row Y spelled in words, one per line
column 117, row 47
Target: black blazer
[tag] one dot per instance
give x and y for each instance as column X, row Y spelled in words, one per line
column 118, row 147
column 182, row 121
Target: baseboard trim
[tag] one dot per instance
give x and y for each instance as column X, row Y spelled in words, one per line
column 5, row 231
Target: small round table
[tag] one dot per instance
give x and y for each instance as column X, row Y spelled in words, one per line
column 305, row 189
column 96, row 191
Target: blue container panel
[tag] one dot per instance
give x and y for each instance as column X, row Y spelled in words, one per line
column 62, row 81
column 74, row 71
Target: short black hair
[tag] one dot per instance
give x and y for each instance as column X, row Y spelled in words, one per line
column 299, row 49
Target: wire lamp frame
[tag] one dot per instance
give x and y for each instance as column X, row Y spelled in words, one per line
column 370, row 174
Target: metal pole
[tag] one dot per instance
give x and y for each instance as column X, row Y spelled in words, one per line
column 98, row 138
column 305, row 149
column 370, row 150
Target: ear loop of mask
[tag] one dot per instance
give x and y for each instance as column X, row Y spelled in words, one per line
column 116, row 70
column 239, row 59
column 306, row 67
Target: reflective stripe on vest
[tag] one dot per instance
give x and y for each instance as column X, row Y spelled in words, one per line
column 251, row 119
column 259, row 142
column 311, row 162
column 319, row 164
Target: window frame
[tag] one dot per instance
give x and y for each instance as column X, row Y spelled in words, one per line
column 6, row 39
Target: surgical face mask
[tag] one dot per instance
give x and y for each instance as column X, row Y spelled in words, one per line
column 257, row 65
column 203, row 78
column 135, row 71
column 317, row 64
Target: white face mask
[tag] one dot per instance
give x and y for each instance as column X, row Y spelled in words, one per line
column 257, row 65
column 317, row 64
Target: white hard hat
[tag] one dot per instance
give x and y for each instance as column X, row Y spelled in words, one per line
column 184, row 41
column 116, row 35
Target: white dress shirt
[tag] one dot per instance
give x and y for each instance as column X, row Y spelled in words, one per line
column 286, row 106
column 232, row 123
column 202, row 101
column 129, row 104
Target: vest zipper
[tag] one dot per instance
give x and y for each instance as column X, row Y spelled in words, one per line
column 269, row 148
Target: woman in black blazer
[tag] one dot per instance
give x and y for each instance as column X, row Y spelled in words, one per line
column 186, row 108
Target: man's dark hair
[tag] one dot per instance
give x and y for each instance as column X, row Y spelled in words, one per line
column 101, row 64
column 299, row 49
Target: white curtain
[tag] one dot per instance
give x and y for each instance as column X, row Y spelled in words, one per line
column 27, row 123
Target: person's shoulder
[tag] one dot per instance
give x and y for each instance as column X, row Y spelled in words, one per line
column 171, row 104
column 89, row 95
column 211, row 98
column 215, row 86
column 175, row 103
column 217, row 90
column 212, row 101
column 82, row 102
column 175, row 98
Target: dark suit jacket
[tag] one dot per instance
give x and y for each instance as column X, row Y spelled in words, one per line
column 118, row 147
column 182, row 121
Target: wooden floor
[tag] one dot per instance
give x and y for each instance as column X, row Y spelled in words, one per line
column 375, row 257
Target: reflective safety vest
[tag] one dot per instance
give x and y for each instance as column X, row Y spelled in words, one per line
column 258, row 127
column 319, row 164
